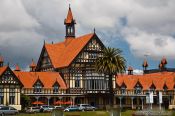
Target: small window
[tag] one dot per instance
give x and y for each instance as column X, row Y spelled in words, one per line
column 38, row 87
column 77, row 81
column 123, row 90
column 56, row 88
column 138, row 89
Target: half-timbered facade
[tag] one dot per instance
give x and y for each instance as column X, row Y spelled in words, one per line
column 65, row 72
column 10, row 87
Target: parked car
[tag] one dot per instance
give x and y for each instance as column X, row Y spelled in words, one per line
column 33, row 110
column 46, row 108
column 86, row 107
column 7, row 110
column 59, row 107
column 72, row 108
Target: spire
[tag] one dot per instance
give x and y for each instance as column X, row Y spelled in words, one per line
column 1, row 61
column 32, row 66
column 17, row 68
column 69, row 18
column 69, row 22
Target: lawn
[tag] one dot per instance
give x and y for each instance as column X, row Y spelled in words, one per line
column 96, row 113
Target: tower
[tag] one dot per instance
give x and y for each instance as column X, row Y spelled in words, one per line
column 69, row 23
column 32, row 66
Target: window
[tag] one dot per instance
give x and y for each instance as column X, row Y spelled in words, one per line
column 1, row 95
column 138, row 89
column 11, row 96
column 55, row 88
column 123, row 90
column 165, row 88
column 77, row 81
column 152, row 88
column 38, row 87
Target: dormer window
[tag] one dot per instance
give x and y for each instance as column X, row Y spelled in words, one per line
column 56, row 88
column 165, row 88
column 38, row 87
column 152, row 88
column 123, row 89
column 138, row 89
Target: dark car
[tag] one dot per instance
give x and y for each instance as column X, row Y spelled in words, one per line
column 72, row 108
column 7, row 110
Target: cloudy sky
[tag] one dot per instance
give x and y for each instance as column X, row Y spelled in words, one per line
column 139, row 27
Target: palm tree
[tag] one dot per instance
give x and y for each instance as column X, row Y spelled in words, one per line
column 111, row 63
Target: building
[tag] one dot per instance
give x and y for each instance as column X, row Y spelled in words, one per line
column 65, row 71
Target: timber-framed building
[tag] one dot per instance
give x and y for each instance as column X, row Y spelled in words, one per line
column 65, row 72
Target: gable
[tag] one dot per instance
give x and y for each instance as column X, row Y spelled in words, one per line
column 138, row 84
column 91, row 51
column 38, row 82
column 44, row 61
column 62, row 54
column 8, row 77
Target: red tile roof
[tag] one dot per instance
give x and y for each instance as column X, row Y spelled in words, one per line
column 2, row 69
column 62, row 54
column 48, row 79
column 69, row 18
column 146, row 80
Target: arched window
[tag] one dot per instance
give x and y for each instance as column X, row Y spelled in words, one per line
column 138, row 89
column 38, row 87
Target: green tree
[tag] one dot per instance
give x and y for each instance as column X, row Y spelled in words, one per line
column 111, row 63
column 25, row 101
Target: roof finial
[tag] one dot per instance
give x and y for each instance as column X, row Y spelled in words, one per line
column 69, row 5
column 44, row 42
column 94, row 29
column 8, row 64
column 52, row 42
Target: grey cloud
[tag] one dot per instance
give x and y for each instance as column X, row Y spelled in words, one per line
column 25, row 24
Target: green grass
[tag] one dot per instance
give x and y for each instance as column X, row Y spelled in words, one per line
column 127, row 113
column 36, row 114
column 95, row 113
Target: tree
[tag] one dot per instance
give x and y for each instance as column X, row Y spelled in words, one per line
column 25, row 101
column 111, row 63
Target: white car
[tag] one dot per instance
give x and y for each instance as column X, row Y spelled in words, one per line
column 86, row 107
column 46, row 108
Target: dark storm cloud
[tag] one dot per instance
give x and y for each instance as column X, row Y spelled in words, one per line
column 25, row 24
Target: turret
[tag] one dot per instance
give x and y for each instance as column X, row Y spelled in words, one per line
column 32, row 66
column 69, row 23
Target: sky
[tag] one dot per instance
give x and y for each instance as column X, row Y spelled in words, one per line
column 141, row 28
